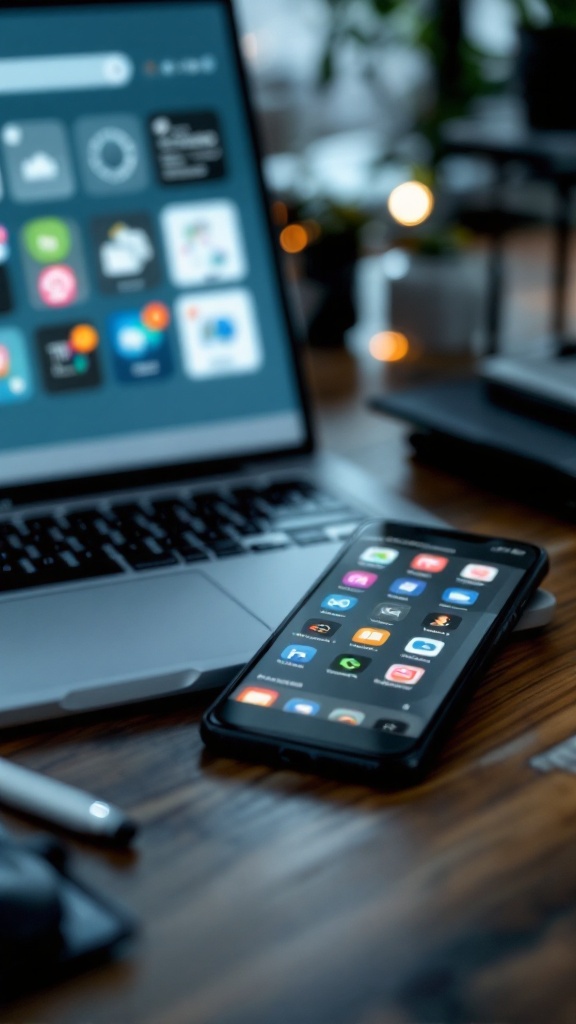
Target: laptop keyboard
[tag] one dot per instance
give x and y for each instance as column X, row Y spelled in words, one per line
column 142, row 535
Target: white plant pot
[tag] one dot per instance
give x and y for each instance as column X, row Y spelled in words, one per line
column 440, row 303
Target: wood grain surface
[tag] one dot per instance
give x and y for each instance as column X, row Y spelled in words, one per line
column 271, row 897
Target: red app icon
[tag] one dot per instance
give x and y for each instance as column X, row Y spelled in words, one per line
column 257, row 695
column 407, row 674
column 482, row 573
column 429, row 563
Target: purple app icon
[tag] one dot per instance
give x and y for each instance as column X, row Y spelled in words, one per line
column 360, row 579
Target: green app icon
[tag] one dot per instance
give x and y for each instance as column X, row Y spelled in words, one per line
column 47, row 239
column 350, row 663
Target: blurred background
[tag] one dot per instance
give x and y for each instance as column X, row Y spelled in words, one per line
column 421, row 157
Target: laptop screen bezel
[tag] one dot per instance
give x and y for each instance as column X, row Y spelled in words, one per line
column 62, row 486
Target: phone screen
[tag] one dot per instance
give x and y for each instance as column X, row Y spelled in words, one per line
column 382, row 638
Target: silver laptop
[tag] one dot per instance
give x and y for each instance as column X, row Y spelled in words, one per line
column 162, row 503
column 541, row 386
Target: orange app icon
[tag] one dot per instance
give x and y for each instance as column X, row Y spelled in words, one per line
column 429, row 563
column 372, row 637
column 257, row 695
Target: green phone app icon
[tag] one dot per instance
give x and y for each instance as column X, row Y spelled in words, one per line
column 350, row 663
column 47, row 239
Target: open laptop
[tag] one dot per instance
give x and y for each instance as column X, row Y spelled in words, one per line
column 162, row 501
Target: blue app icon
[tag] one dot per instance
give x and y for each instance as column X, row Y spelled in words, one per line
column 15, row 368
column 339, row 602
column 407, row 586
column 298, row 706
column 139, row 341
column 298, row 654
column 424, row 645
column 456, row 595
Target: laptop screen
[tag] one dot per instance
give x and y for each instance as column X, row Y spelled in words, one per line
column 141, row 316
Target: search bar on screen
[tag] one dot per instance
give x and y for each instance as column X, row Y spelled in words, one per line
column 65, row 73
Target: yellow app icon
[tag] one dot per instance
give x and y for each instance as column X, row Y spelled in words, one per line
column 372, row 637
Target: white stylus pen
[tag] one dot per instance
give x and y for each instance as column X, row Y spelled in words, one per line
column 55, row 802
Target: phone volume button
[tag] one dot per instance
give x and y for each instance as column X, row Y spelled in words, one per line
column 506, row 626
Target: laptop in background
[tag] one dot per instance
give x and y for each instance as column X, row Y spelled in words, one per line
column 459, row 427
column 162, row 500
column 543, row 388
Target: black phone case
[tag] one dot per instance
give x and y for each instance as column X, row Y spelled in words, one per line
column 389, row 770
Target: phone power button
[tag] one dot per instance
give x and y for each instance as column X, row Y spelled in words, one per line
column 506, row 626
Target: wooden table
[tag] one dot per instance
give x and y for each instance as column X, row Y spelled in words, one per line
column 281, row 898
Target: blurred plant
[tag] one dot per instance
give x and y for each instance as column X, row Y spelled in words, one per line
column 444, row 240
column 546, row 13
column 461, row 70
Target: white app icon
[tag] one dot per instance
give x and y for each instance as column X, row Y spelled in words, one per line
column 116, row 169
column 37, row 160
column 480, row 573
column 40, row 166
column 219, row 334
column 379, row 556
column 203, row 243
column 126, row 252
column 424, row 645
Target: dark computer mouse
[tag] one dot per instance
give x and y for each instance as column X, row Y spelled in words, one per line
column 51, row 924
column 30, row 907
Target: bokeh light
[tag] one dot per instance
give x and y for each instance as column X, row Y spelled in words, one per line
column 293, row 238
column 279, row 213
column 411, row 203
column 389, row 346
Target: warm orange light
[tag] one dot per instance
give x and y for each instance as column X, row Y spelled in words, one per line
column 156, row 316
column 410, row 203
column 389, row 346
column 84, row 338
column 312, row 229
column 279, row 213
column 293, row 238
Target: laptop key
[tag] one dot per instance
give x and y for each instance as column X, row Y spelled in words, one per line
column 18, row 576
column 226, row 546
column 189, row 552
column 316, row 520
column 314, row 536
column 267, row 541
column 39, row 526
column 146, row 555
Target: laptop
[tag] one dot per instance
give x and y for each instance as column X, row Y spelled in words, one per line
column 542, row 387
column 163, row 502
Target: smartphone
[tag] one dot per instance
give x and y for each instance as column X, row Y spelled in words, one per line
column 366, row 674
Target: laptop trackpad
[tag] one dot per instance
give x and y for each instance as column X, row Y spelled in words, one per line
column 121, row 640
